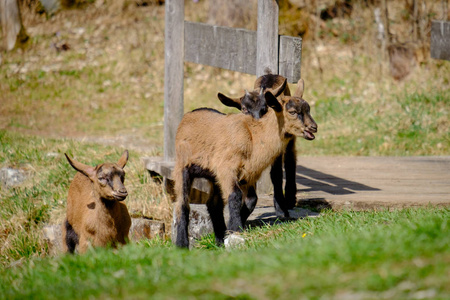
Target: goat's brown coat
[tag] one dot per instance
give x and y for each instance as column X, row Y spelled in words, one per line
column 236, row 148
column 94, row 209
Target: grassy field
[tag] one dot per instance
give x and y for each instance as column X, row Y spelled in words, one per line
column 104, row 94
column 372, row 255
column 41, row 199
column 108, row 86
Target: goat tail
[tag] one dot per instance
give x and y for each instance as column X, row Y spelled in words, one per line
column 71, row 237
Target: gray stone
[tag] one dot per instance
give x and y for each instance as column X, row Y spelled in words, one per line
column 234, row 241
column 12, row 177
column 199, row 223
column 141, row 228
column 51, row 6
column 53, row 237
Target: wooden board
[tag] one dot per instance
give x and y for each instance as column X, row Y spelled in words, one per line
column 223, row 47
column 440, row 40
column 173, row 73
column 369, row 182
column 374, row 182
column 235, row 49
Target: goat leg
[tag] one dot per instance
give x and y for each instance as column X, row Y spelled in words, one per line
column 276, row 175
column 249, row 204
column 182, row 217
column 215, row 209
column 290, row 165
column 234, row 206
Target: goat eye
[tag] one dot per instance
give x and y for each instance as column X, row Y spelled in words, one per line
column 292, row 112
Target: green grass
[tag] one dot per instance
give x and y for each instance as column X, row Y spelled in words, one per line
column 41, row 199
column 409, row 124
column 392, row 255
column 105, row 86
column 110, row 84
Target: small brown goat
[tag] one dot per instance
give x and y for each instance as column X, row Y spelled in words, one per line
column 232, row 151
column 257, row 107
column 96, row 214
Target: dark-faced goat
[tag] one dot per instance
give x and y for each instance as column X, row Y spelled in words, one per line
column 96, row 214
column 257, row 107
column 232, row 151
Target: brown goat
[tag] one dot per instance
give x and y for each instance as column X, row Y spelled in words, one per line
column 232, row 151
column 256, row 107
column 96, row 214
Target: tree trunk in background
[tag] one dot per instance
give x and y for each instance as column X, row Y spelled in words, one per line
column 12, row 28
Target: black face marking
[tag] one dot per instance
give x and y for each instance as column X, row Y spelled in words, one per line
column 254, row 104
column 293, row 105
column 106, row 175
column 301, row 108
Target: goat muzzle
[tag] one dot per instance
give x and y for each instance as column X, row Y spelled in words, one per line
column 308, row 135
column 120, row 195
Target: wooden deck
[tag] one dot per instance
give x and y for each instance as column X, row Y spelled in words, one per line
column 372, row 182
column 361, row 182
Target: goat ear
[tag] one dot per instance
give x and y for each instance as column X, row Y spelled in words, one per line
column 280, row 89
column 258, row 82
column 227, row 101
column 273, row 102
column 82, row 168
column 300, row 88
column 123, row 159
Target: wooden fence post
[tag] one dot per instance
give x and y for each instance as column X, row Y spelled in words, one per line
column 266, row 58
column 11, row 23
column 267, row 37
column 440, row 40
column 173, row 74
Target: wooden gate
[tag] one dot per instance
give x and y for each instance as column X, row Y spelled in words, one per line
column 233, row 49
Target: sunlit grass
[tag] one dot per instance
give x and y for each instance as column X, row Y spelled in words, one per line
column 41, row 199
column 109, row 87
column 393, row 255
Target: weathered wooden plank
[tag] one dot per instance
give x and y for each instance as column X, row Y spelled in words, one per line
column 370, row 182
column 173, row 74
column 375, row 182
column 440, row 40
column 11, row 23
column 228, row 48
column 289, row 59
column 267, row 37
column 164, row 168
column 235, row 49
column 266, row 60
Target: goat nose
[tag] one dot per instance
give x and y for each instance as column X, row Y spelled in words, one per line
column 123, row 191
